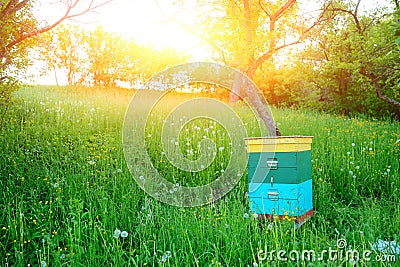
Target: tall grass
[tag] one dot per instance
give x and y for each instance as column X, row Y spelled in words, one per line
column 66, row 189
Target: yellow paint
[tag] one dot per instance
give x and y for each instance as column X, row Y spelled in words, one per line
column 278, row 144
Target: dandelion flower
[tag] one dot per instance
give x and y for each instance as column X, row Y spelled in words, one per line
column 163, row 258
column 352, row 262
column 166, row 256
column 117, row 233
column 124, row 234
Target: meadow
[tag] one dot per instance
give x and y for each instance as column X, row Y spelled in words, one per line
column 68, row 198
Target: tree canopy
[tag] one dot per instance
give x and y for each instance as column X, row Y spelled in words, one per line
column 18, row 29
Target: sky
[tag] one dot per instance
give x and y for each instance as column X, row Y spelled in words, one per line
column 159, row 23
column 156, row 22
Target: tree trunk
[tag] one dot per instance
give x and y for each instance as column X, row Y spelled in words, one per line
column 377, row 87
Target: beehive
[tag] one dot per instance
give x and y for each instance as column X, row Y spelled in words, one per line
column 280, row 179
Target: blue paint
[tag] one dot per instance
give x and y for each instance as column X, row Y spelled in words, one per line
column 281, row 199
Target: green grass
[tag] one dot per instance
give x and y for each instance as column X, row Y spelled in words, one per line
column 66, row 188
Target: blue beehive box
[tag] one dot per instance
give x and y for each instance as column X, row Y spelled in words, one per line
column 280, row 180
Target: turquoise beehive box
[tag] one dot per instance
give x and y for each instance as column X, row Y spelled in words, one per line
column 280, row 178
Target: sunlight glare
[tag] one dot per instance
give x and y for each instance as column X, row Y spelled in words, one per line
column 157, row 23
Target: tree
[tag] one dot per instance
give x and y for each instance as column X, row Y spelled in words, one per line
column 248, row 33
column 100, row 58
column 18, row 27
column 354, row 62
column 63, row 48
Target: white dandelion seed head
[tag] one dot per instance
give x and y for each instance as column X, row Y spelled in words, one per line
column 163, row 258
column 351, row 172
column 43, row 264
column 348, row 153
column 124, row 234
column 352, row 262
column 246, row 215
column 352, row 144
column 55, row 185
column 117, row 233
column 357, row 167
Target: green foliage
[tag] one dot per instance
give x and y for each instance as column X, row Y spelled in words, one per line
column 100, row 58
column 339, row 61
column 14, row 59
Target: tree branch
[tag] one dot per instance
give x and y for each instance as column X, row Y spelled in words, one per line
column 66, row 16
column 377, row 88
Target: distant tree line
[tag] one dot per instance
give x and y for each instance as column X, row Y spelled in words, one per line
column 101, row 58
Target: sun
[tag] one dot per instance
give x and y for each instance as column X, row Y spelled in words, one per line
column 160, row 24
